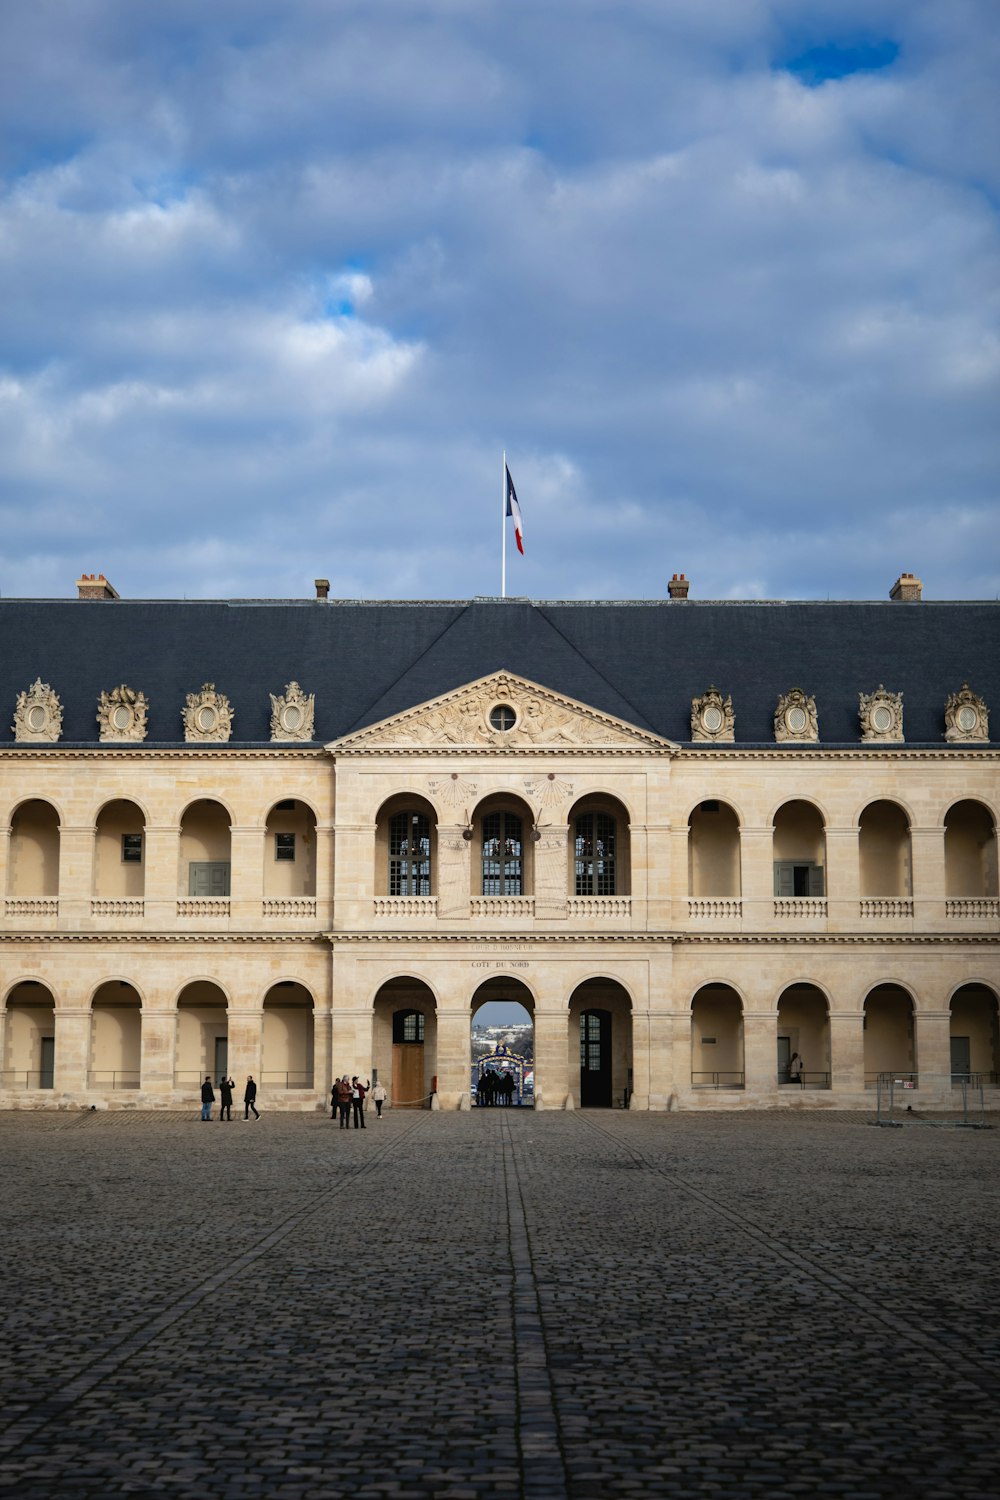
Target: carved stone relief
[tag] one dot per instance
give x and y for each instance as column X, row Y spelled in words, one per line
column 121, row 715
column 208, row 716
column 795, row 719
column 881, row 716
column 966, row 718
column 712, row 718
column 293, row 714
column 37, row 715
column 454, row 875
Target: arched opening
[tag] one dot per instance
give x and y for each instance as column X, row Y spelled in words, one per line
column 290, row 851
column 804, row 1031
column 202, row 1035
column 115, row 1037
column 975, row 1035
column 600, row 1043
column 717, row 1038
column 120, row 852
column 405, row 1042
column 970, row 851
column 889, row 1035
column 287, row 1055
column 29, row 1061
column 406, row 847
column 884, row 851
column 503, row 830
column 713, row 850
column 799, row 851
column 205, row 851
column 502, row 1044
column 33, row 860
column 599, row 847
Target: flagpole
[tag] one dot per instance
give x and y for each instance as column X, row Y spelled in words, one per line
column 503, row 527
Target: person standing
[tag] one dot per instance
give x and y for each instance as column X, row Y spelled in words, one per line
column 795, row 1073
column 380, row 1096
column 207, row 1098
column 343, row 1092
column 358, row 1092
column 250, row 1099
column 226, row 1086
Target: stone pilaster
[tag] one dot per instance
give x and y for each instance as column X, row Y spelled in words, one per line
column 843, row 872
column 76, row 875
column 162, row 875
column 246, row 885
column 680, row 1050
column 640, row 1060
column 322, row 1052
column 159, row 1048
column 847, row 1052
column 927, row 852
column 552, row 1085
column 932, row 1046
column 454, row 1055
column 757, row 878
column 245, row 1033
column 760, row 1054
column 454, row 873
column 72, row 1049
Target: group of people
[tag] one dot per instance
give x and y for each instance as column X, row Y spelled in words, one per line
column 226, row 1086
column 495, row 1088
column 349, row 1094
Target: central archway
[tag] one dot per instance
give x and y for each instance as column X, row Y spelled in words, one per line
column 405, row 1042
column 600, row 1043
column 502, row 1028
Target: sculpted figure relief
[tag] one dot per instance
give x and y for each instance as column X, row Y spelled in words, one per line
column 293, row 714
column 208, row 716
column 966, row 718
column 37, row 715
column 881, row 715
column 712, row 717
column 121, row 715
column 795, row 719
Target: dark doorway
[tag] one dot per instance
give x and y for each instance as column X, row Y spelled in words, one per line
column 408, row 1084
column 595, row 1059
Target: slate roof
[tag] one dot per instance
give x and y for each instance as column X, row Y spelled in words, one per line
column 641, row 661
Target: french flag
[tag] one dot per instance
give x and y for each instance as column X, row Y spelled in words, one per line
column 513, row 509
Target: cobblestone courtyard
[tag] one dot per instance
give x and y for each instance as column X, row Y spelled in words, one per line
column 499, row 1304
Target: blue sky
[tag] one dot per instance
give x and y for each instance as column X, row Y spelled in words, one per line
column 280, row 280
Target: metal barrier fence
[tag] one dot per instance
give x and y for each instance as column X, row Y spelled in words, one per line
column 108, row 1078
column 897, row 1093
column 32, row 1078
column 718, row 1080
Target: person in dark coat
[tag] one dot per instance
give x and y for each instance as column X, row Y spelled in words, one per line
column 226, row 1086
column 207, row 1098
column 344, row 1102
column 358, row 1092
column 250, row 1099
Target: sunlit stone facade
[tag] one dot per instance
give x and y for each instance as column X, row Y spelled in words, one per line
column 498, row 800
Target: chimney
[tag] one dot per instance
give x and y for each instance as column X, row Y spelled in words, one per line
column 907, row 589
column 678, row 587
column 322, row 588
column 89, row 587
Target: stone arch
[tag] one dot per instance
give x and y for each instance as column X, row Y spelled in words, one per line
column 599, row 846
column 205, row 849
column 884, row 850
column 503, row 842
column 29, row 1036
column 406, row 846
column 889, row 1010
column 115, row 1036
column 714, row 850
column 404, row 1057
column 34, row 853
column 288, row 1012
column 717, row 1058
column 514, row 990
column 799, row 848
column 202, row 1033
column 804, row 1028
column 970, row 850
column 289, row 850
column 119, row 872
column 600, row 1043
column 974, row 1009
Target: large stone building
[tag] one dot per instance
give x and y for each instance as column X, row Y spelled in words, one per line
column 299, row 838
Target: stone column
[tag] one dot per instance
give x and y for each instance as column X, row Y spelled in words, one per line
column 159, row 1049
column 552, row 1082
column 757, row 878
column 760, row 1054
column 325, row 850
column 454, row 1056
column 680, row 1049
column 246, row 882
column 245, row 1034
column 929, row 875
column 76, row 875
column 932, row 1053
column 640, row 1060
column 72, row 1049
column 843, row 879
column 454, row 873
column 660, row 1028
column 351, row 1041
column 4, row 863
column 639, row 871
column 322, row 1052
column 847, row 1052
column 161, row 886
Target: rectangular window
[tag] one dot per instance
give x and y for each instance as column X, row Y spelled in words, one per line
column 798, row 878
column 132, row 848
column 284, row 846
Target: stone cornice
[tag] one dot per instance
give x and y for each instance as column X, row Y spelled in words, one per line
column 182, row 939
column 164, row 752
column 469, row 753
column 834, row 752
column 560, row 939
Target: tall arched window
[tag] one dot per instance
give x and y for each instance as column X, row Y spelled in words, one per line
column 503, row 858
column 594, row 854
column 409, row 854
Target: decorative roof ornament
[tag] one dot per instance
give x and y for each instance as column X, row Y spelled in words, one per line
column 881, row 716
column 208, row 716
column 795, row 719
column 121, row 715
column 966, row 718
column 37, row 715
column 293, row 715
column 712, row 718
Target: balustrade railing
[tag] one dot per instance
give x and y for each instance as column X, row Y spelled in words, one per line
column 599, row 906
column 32, row 906
column 406, row 906
column 715, row 908
column 117, row 908
column 805, row 908
column 884, row 907
column 289, row 907
column 203, row 906
column 503, row 906
column 975, row 907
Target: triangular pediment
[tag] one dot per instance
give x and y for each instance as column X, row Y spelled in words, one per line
column 474, row 717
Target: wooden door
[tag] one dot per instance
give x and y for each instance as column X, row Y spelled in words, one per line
column 408, row 1089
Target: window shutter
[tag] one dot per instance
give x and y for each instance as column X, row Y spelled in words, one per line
column 816, row 886
column 784, row 878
